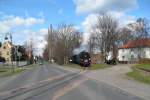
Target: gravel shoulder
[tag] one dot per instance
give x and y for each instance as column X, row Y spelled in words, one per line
column 116, row 76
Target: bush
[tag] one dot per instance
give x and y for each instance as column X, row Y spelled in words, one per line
column 144, row 61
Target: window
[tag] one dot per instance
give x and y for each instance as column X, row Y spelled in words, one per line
column 132, row 56
column 123, row 57
column 4, row 47
column 144, row 54
column 7, row 53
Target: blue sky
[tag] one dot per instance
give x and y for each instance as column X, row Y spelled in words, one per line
column 53, row 11
column 143, row 9
column 26, row 18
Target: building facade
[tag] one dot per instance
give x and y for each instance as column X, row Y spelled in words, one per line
column 12, row 52
column 134, row 50
column 5, row 51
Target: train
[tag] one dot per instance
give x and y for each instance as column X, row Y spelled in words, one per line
column 83, row 59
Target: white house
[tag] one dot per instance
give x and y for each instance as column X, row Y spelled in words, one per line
column 134, row 50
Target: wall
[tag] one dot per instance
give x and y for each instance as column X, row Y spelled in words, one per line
column 147, row 52
column 97, row 58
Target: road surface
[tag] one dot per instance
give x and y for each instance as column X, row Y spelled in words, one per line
column 49, row 82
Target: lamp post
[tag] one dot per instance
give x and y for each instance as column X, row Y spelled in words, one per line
column 6, row 38
column 16, row 55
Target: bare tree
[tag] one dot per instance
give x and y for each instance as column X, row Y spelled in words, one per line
column 29, row 46
column 140, row 28
column 93, row 44
column 61, row 42
column 106, row 31
column 51, row 37
column 124, row 35
column 69, row 38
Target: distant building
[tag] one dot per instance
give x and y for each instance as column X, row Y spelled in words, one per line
column 134, row 50
column 5, row 51
column 12, row 52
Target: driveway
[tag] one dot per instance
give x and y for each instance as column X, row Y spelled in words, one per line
column 116, row 76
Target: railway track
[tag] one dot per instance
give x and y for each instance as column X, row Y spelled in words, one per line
column 41, row 87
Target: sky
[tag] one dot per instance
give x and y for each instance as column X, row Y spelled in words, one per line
column 27, row 19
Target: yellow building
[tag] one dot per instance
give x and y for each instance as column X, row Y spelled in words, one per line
column 5, row 51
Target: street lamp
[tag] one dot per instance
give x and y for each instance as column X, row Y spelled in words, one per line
column 6, row 38
column 10, row 36
column 16, row 55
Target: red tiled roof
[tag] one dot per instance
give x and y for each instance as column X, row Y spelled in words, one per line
column 137, row 43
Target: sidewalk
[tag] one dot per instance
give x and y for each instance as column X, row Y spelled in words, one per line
column 116, row 76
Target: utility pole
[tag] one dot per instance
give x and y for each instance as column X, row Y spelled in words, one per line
column 16, row 55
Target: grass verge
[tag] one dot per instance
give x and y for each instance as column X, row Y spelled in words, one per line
column 93, row 66
column 135, row 74
column 144, row 66
column 8, row 71
column 99, row 66
column 139, row 77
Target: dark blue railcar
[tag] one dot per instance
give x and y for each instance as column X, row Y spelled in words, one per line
column 83, row 59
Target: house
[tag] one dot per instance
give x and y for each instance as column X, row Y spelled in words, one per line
column 5, row 51
column 134, row 50
column 12, row 52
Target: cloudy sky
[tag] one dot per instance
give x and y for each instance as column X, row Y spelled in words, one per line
column 31, row 18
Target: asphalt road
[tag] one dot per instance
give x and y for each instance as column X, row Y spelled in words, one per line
column 49, row 82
